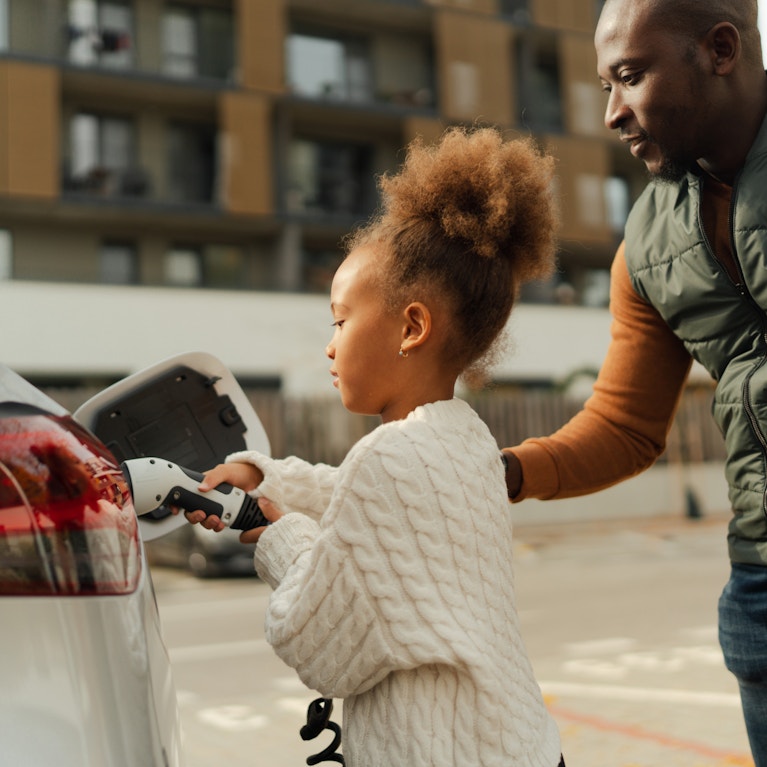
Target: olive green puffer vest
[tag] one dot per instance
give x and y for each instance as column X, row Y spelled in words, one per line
column 722, row 324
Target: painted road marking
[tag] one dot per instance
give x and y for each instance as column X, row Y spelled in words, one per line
column 641, row 694
column 183, row 611
column 233, row 718
column 731, row 758
column 219, row 650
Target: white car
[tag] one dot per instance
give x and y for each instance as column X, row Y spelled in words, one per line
column 85, row 674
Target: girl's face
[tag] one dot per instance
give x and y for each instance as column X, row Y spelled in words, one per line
column 366, row 341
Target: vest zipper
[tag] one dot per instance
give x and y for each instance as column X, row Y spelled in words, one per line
column 745, row 293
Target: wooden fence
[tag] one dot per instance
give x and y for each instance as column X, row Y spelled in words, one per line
column 321, row 430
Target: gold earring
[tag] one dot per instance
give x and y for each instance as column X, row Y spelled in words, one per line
column 402, row 352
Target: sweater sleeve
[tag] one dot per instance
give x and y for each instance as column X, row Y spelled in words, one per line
column 623, row 426
column 339, row 607
column 291, row 483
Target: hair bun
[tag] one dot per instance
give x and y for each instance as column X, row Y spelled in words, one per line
column 492, row 195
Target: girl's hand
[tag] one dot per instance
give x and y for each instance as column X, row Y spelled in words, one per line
column 243, row 475
column 271, row 512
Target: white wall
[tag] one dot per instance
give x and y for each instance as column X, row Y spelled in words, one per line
column 67, row 329
column 763, row 27
column 102, row 330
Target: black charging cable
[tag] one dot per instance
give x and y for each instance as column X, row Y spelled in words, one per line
column 317, row 720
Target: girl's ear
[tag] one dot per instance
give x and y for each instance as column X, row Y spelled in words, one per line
column 417, row 325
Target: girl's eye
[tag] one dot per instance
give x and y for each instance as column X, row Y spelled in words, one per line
column 337, row 324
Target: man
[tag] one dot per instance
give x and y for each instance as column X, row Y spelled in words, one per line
column 687, row 92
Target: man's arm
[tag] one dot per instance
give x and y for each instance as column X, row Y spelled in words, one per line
column 623, row 426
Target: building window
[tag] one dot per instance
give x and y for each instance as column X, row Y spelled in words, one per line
column 596, row 288
column 590, row 196
column 101, row 155
column 223, row 266
column 6, row 255
column 182, row 267
column 538, row 81
column 618, row 202
column 329, row 177
column 191, row 162
column 464, row 82
column 4, row 42
column 101, row 32
column 598, row 5
column 118, row 263
column 517, row 10
column 319, row 266
column 587, row 108
column 198, row 42
column 326, row 67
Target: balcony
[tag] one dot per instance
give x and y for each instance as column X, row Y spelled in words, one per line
column 385, row 69
column 179, row 41
column 326, row 178
column 102, row 161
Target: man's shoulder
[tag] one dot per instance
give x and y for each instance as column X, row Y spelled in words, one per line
column 658, row 194
column 655, row 216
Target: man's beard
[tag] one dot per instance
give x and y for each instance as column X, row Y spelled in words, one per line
column 672, row 169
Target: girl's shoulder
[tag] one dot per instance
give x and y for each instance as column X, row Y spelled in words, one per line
column 435, row 423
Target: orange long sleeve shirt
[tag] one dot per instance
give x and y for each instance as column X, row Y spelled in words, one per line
column 623, row 426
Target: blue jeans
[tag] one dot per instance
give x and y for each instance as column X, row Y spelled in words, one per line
column 743, row 637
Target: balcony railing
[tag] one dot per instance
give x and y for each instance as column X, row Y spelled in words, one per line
column 110, row 183
column 187, row 42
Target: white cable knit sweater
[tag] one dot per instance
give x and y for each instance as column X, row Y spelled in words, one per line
column 394, row 590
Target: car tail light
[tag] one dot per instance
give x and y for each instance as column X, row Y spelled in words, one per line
column 67, row 524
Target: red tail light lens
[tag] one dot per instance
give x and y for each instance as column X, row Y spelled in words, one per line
column 67, row 525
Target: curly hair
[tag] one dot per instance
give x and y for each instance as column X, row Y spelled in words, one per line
column 467, row 220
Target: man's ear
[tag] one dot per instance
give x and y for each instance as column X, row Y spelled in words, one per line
column 724, row 46
column 416, row 326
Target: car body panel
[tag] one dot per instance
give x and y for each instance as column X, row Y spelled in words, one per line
column 86, row 678
column 87, row 682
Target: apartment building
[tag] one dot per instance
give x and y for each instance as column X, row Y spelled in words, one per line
column 228, row 145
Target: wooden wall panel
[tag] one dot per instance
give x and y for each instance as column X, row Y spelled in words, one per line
column 489, row 7
column 428, row 129
column 262, row 28
column 582, row 170
column 474, row 68
column 582, row 98
column 30, row 126
column 246, row 156
column 574, row 15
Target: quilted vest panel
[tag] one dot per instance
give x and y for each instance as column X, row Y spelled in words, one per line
column 722, row 323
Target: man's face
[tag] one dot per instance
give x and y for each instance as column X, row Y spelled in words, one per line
column 655, row 82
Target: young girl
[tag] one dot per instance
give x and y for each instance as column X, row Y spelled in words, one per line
column 392, row 573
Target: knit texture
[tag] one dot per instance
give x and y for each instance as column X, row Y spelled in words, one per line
column 400, row 599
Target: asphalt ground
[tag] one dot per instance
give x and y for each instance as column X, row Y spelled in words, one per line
column 620, row 622
column 619, row 619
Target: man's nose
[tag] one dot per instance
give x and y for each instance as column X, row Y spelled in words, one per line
column 616, row 111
